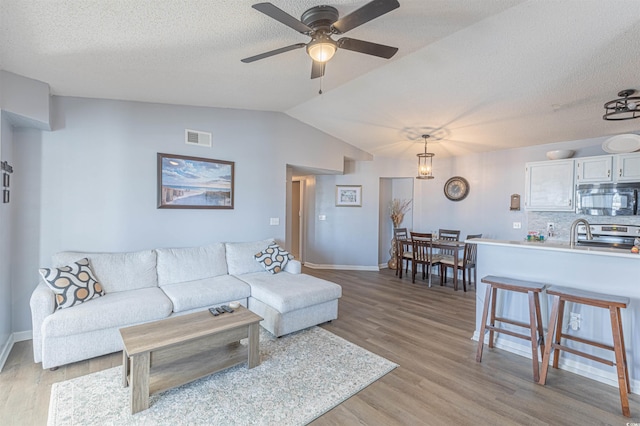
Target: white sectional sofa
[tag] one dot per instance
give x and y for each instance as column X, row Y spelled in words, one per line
column 154, row 284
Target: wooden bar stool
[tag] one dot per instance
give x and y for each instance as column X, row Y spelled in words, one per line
column 536, row 335
column 613, row 304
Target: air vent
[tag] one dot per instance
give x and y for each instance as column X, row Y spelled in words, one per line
column 194, row 137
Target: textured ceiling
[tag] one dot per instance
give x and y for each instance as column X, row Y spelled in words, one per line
column 477, row 74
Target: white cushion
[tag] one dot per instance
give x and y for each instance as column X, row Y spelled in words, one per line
column 287, row 292
column 206, row 292
column 117, row 309
column 177, row 265
column 293, row 267
column 116, row 271
column 240, row 256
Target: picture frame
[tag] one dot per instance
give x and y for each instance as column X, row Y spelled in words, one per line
column 348, row 195
column 194, row 183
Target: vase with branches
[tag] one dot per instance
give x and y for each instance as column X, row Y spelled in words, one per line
column 397, row 210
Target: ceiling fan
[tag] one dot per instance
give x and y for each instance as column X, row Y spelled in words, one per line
column 319, row 23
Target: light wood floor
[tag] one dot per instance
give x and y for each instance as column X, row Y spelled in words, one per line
column 427, row 332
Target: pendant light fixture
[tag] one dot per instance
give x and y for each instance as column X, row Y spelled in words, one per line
column 425, row 162
column 624, row 108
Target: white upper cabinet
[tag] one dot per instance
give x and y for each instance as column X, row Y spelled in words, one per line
column 594, row 169
column 550, row 185
column 628, row 167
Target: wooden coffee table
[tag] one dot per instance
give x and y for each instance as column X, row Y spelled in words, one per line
column 171, row 352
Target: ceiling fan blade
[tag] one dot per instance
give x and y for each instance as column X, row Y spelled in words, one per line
column 317, row 69
column 363, row 15
column 281, row 16
column 367, row 47
column 273, row 52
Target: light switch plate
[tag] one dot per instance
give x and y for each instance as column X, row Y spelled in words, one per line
column 517, row 225
column 274, row 221
column 322, row 217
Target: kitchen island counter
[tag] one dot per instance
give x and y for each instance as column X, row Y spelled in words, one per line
column 562, row 246
column 603, row 270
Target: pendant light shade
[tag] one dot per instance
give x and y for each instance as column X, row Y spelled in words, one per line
column 624, row 108
column 425, row 162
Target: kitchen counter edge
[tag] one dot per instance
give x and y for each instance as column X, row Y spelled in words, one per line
column 557, row 246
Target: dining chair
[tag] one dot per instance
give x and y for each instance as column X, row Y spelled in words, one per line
column 403, row 250
column 422, row 244
column 447, row 235
column 466, row 264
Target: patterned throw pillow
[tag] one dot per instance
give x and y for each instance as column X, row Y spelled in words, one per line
column 72, row 284
column 274, row 258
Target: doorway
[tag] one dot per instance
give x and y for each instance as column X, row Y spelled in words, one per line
column 390, row 188
column 296, row 214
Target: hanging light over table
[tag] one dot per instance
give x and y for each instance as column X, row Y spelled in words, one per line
column 624, row 108
column 425, row 162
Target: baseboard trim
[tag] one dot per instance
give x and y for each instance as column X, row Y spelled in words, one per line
column 21, row 336
column 573, row 366
column 6, row 350
column 13, row 338
column 342, row 267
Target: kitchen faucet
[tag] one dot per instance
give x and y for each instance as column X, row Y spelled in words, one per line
column 574, row 226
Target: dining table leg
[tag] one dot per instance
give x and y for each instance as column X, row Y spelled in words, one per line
column 455, row 269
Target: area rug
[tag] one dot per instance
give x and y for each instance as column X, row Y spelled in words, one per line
column 301, row 376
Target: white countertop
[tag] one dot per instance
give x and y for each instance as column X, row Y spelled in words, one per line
column 558, row 246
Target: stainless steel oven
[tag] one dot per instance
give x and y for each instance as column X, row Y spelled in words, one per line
column 609, row 199
column 611, row 236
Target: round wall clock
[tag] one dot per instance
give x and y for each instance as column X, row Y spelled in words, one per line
column 456, row 188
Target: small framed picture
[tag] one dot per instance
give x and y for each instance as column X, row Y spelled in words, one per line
column 349, row 195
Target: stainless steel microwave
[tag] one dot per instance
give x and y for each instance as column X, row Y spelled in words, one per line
column 609, row 199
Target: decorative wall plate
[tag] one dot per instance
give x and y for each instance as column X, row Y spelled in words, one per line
column 620, row 144
column 456, row 188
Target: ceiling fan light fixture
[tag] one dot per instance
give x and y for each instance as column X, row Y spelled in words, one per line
column 624, row 108
column 425, row 162
column 322, row 48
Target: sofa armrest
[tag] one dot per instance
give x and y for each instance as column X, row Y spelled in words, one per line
column 43, row 304
column 293, row 267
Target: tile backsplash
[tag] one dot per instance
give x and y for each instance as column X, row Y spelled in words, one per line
column 537, row 221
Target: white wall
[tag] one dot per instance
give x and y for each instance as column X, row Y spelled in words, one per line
column 6, row 220
column 96, row 180
column 25, row 100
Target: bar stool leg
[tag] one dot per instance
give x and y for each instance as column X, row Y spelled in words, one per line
column 492, row 319
column 534, row 335
column 618, row 345
column 553, row 320
column 624, row 352
column 558, row 336
column 539, row 324
column 483, row 327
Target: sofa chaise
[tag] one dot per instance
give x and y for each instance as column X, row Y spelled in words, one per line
column 154, row 284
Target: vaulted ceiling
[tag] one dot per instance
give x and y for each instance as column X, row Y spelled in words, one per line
column 476, row 74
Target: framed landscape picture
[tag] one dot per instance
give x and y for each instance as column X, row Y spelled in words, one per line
column 349, row 195
column 194, row 183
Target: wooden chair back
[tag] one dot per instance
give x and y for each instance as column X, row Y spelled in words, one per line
column 471, row 251
column 448, row 235
column 400, row 233
column 422, row 244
